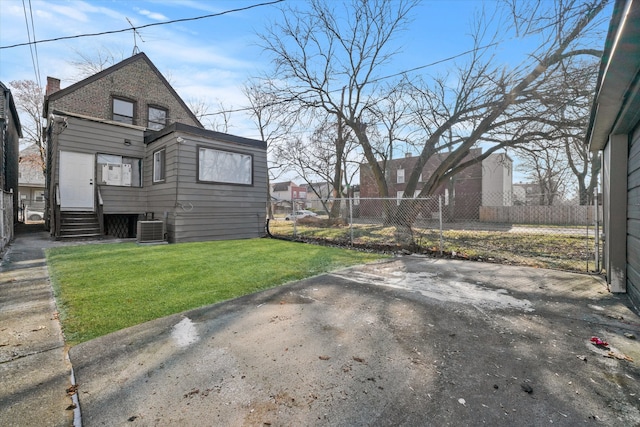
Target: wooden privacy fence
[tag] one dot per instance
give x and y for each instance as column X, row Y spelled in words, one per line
column 549, row 215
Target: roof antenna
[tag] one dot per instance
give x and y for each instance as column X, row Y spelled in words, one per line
column 135, row 42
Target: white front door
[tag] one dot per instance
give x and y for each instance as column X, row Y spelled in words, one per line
column 76, row 181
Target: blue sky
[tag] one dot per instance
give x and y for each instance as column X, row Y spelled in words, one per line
column 209, row 59
column 204, row 59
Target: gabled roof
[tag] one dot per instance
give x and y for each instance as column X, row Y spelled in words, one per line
column 282, row 186
column 113, row 68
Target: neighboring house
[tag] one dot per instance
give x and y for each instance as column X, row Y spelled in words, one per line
column 31, row 179
column 10, row 134
column 526, row 193
column 288, row 191
column 497, row 180
column 615, row 129
column 122, row 146
column 463, row 195
column 319, row 193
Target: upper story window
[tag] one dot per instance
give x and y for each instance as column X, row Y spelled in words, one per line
column 400, row 176
column 157, row 118
column 123, row 110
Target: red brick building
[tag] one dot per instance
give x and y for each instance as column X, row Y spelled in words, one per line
column 461, row 196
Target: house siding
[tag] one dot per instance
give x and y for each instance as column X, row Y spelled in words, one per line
column 80, row 119
column 10, row 133
column 198, row 211
column 91, row 137
column 633, row 217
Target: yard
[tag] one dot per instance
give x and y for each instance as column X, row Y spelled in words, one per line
column 106, row 287
column 564, row 248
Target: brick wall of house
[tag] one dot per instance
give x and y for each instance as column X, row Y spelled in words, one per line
column 136, row 81
column 468, row 182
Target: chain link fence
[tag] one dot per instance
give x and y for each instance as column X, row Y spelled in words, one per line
column 468, row 226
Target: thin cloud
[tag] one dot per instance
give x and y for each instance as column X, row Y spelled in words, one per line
column 152, row 15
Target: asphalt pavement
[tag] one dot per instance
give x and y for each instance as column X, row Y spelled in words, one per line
column 409, row 341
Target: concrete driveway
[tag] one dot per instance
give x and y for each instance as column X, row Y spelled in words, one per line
column 413, row 341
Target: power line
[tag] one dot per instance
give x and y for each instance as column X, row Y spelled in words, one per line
column 154, row 24
column 31, row 29
column 399, row 73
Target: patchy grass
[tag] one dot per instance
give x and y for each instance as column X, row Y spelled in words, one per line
column 559, row 250
column 106, row 287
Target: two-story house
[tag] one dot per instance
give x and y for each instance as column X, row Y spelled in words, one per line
column 486, row 183
column 122, row 146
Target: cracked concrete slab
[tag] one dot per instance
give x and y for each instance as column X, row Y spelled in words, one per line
column 34, row 369
column 394, row 343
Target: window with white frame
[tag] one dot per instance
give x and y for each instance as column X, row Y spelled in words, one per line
column 224, row 166
column 400, row 176
column 157, row 118
column 159, row 165
column 399, row 197
column 123, row 111
column 119, row 170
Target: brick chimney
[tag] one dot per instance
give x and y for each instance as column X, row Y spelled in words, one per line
column 53, row 85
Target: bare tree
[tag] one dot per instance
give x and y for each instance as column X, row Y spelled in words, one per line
column 328, row 60
column 321, row 55
column 274, row 121
column 29, row 100
column 92, row 61
column 328, row 160
column 546, row 166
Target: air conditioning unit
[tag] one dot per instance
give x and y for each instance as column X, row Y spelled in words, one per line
column 150, row 232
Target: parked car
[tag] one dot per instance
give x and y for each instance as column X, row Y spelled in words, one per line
column 300, row 214
column 34, row 215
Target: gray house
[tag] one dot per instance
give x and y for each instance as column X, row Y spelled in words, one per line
column 10, row 134
column 615, row 129
column 125, row 152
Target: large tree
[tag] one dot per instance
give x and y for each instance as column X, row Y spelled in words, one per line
column 29, row 99
column 274, row 121
column 322, row 52
column 327, row 161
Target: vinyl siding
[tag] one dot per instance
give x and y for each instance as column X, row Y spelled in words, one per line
column 633, row 218
column 91, row 137
column 197, row 211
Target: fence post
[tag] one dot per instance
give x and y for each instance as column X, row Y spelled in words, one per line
column 440, row 220
column 293, row 217
column 351, row 218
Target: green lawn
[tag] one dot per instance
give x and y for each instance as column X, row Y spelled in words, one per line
column 106, row 287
